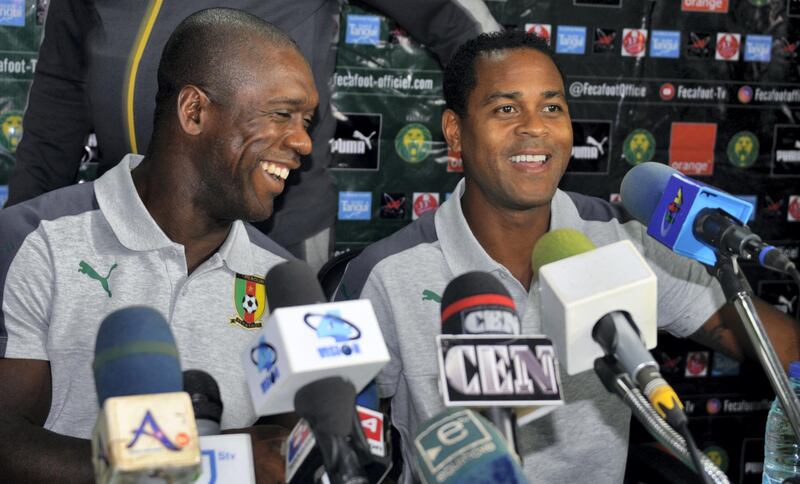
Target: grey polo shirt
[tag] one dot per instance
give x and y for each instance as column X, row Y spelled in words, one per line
column 70, row 257
column 586, row 439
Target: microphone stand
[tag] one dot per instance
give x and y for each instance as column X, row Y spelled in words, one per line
column 738, row 291
column 619, row 383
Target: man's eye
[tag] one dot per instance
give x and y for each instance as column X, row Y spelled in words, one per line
column 507, row 109
column 307, row 122
column 553, row 108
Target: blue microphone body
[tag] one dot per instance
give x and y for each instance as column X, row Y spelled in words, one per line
column 669, row 203
column 135, row 354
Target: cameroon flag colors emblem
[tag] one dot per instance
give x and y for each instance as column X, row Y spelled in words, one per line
column 250, row 301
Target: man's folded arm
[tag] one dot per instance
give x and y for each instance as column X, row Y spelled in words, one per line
column 28, row 452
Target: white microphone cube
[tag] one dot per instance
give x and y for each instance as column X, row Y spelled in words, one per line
column 302, row 344
column 141, row 435
column 227, row 459
column 575, row 292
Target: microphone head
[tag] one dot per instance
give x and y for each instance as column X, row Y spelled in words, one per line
column 559, row 244
column 478, row 303
column 292, row 283
column 204, row 392
column 328, row 405
column 643, row 187
column 457, row 432
column 135, row 354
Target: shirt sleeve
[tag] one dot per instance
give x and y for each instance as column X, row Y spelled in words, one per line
column 389, row 376
column 26, row 297
column 687, row 294
column 442, row 25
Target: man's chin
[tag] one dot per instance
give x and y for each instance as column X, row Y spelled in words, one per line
column 258, row 217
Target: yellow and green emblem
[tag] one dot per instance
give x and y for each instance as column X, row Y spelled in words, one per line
column 413, row 142
column 250, row 301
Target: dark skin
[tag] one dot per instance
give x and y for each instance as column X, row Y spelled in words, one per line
column 516, row 117
column 206, row 170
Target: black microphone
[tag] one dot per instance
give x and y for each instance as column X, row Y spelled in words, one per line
column 206, row 401
column 227, row 458
column 328, row 405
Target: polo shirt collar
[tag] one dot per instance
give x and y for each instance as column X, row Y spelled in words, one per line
column 237, row 251
column 124, row 210
column 562, row 212
column 135, row 228
column 461, row 249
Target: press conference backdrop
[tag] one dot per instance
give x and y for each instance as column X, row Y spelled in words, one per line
column 21, row 28
column 710, row 87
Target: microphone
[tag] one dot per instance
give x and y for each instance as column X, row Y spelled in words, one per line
column 146, row 426
column 484, row 361
column 694, row 219
column 458, row 445
column 328, row 405
column 206, row 401
column 309, row 341
column 304, row 461
column 309, row 352
column 598, row 301
column 228, row 458
column 477, row 303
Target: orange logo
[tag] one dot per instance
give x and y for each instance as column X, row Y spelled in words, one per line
column 691, row 148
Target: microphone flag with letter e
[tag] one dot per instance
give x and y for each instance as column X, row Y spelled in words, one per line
column 460, row 446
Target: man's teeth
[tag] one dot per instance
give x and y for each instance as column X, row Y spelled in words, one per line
column 528, row 159
column 275, row 169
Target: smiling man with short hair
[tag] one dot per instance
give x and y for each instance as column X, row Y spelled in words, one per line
column 507, row 115
column 168, row 230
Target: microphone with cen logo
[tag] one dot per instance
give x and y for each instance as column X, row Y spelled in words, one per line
column 598, row 301
column 458, row 445
column 228, row 458
column 311, row 348
column 146, row 427
column 483, row 360
column 694, row 219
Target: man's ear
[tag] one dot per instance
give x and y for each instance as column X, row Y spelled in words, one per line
column 192, row 109
column 451, row 127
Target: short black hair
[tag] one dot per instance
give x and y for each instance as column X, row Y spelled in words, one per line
column 205, row 50
column 459, row 75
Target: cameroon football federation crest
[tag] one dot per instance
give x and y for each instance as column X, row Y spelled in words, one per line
column 743, row 149
column 639, row 146
column 11, row 128
column 413, row 142
column 250, row 301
